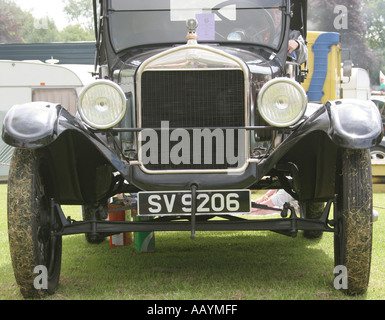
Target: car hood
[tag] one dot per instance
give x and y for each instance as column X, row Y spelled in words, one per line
column 259, row 61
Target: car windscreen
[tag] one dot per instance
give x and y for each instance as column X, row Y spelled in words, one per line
column 141, row 22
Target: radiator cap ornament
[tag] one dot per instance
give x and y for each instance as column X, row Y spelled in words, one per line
column 192, row 25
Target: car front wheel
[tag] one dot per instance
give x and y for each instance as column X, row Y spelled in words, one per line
column 353, row 236
column 35, row 251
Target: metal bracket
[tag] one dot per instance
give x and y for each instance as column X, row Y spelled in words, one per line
column 56, row 207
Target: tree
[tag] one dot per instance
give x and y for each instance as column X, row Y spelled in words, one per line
column 18, row 26
column 76, row 33
column 374, row 15
column 323, row 17
column 10, row 26
column 80, row 12
column 40, row 31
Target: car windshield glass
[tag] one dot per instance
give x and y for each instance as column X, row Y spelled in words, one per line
column 140, row 22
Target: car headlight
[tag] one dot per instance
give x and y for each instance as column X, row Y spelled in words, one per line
column 102, row 104
column 282, row 102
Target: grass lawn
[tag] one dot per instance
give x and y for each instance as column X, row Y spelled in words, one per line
column 216, row 265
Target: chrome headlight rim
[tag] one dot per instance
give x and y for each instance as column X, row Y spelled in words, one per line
column 302, row 101
column 122, row 98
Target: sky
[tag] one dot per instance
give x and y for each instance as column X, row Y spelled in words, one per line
column 42, row 8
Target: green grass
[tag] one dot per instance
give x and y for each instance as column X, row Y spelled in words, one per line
column 216, row 265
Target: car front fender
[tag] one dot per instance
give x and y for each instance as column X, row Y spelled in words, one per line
column 31, row 125
column 39, row 124
column 354, row 124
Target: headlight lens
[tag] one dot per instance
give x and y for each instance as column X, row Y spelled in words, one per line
column 282, row 102
column 102, row 104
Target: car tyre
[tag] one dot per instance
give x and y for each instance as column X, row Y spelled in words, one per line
column 30, row 235
column 353, row 236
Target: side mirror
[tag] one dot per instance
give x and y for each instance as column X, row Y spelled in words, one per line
column 347, row 68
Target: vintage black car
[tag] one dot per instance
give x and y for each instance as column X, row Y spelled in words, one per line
column 190, row 126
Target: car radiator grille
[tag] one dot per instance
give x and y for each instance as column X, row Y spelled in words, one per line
column 185, row 99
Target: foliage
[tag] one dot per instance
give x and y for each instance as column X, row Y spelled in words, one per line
column 364, row 35
column 11, row 18
column 18, row 26
column 81, row 12
column 39, row 31
column 374, row 14
column 322, row 18
column 76, row 33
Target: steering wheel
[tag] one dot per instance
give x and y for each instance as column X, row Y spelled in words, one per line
column 265, row 35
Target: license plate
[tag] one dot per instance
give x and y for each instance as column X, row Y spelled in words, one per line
column 207, row 202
